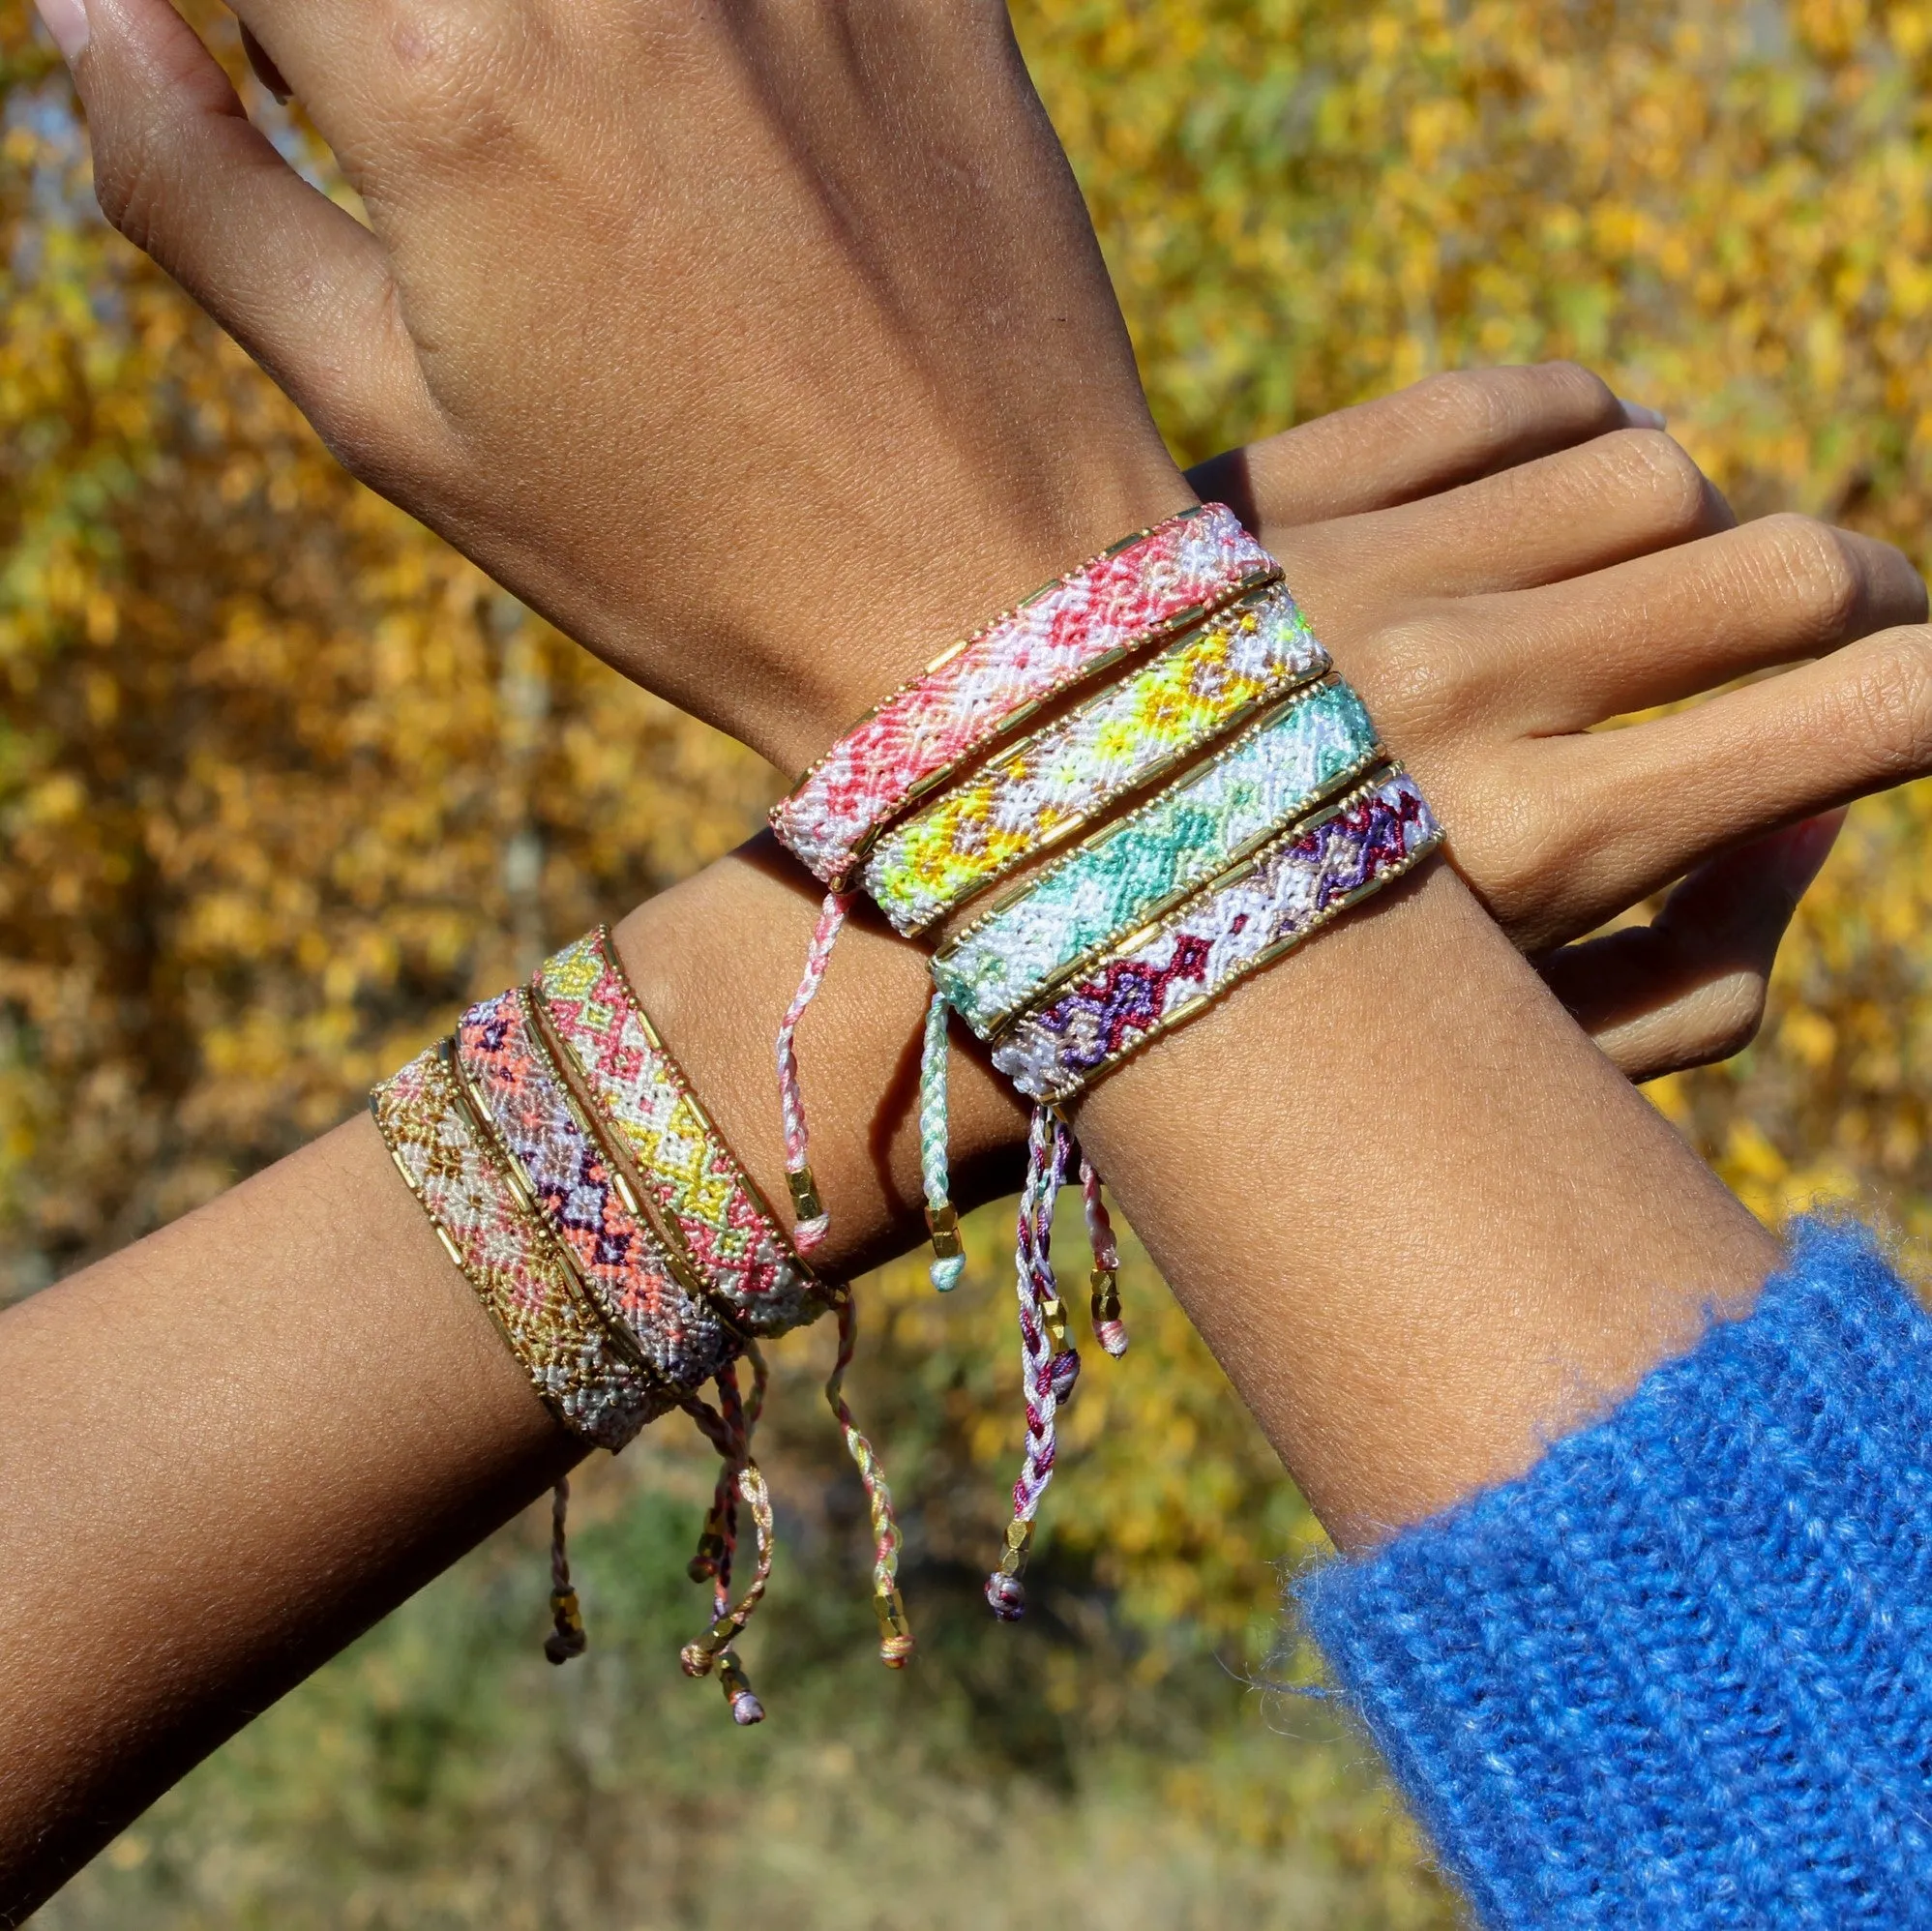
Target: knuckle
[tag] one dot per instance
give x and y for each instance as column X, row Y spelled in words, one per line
column 1889, row 702
column 126, row 186
column 1571, row 389
column 1417, row 675
column 449, row 93
column 1816, row 570
column 1495, row 404
column 1656, row 467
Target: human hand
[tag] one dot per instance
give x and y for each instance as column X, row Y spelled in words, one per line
column 1502, row 559
column 758, row 347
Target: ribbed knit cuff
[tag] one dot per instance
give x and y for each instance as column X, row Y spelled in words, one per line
column 1681, row 1673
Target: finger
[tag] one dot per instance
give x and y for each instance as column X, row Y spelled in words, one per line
column 1675, row 623
column 1432, row 435
column 1624, row 812
column 1689, row 988
column 1559, row 516
column 180, row 171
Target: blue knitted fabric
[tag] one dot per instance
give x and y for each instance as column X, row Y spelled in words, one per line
column 1681, row 1673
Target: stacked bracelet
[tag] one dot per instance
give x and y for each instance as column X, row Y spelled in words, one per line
column 1247, row 849
column 1153, row 585
column 596, row 1388
column 707, row 1203
column 625, row 1255
column 571, row 1183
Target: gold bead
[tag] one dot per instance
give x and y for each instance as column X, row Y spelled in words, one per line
column 804, row 1194
column 943, row 1224
column 1053, row 1311
column 1106, row 1294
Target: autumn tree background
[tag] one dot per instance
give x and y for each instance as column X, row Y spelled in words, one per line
column 283, row 783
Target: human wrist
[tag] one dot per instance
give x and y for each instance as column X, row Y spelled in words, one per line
column 922, row 561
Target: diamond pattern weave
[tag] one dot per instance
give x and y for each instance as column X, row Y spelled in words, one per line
column 621, row 1260
column 1132, row 871
column 1046, row 787
column 520, row 1280
column 1286, row 891
column 730, row 1234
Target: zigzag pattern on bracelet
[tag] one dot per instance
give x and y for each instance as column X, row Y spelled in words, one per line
column 562, row 1341
column 1157, row 979
column 1153, row 585
column 706, row 1199
column 621, row 1260
column 1137, row 867
column 1048, row 784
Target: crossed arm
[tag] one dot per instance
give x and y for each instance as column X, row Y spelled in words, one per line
column 1420, row 1219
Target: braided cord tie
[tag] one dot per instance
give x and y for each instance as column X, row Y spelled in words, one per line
column 566, row 1637
column 728, row 1431
column 942, row 1219
column 1048, row 1366
column 895, row 1633
column 1108, row 1327
column 813, row 1219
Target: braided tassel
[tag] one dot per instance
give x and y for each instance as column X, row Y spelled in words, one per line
column 1048, row 1366
column 566, row 1637
column 942, row 1219
column 895, row 1633
column 813, row 1219
column 1108, row 1327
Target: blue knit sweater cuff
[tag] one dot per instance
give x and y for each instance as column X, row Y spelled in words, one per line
column 1681, row 1673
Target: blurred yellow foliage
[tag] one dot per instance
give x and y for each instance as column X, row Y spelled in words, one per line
column 282, row 780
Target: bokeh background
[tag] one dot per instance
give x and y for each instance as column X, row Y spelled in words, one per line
column 283, row 783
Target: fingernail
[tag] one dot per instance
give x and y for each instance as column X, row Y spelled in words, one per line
column 1640, row 416
column 1803, row 848
column 67, row 22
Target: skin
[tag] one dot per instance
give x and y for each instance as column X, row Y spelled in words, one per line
column 1421, row 1234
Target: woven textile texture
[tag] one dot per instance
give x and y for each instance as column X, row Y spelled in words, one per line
column 1158, row 979
column 1114, row 882
column 732, row 1240
column 521, row 1281
column 620, row 1260
column 1052, row 783
column 1161, row 582
column 1680, row 1676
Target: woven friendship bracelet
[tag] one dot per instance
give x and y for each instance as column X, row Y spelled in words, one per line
column 1043, row 932
column 1153, row 585
column 1048, row 784
column 704, row 1197
column 571, row 1183
column 561, row 1340
column 1161, row 976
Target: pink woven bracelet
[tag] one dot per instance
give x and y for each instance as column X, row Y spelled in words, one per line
column 1151, row 586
